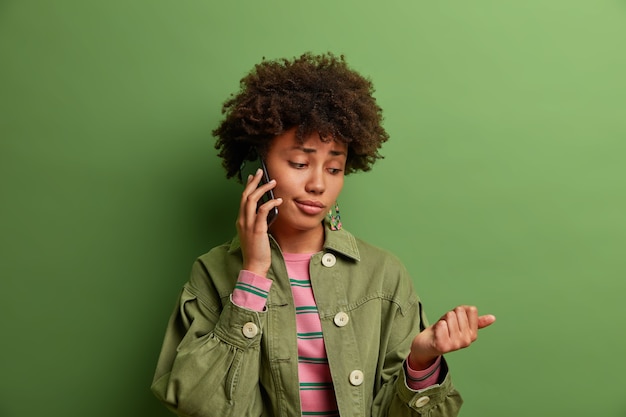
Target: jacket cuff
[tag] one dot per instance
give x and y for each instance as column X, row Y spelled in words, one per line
column 441, row 395
column 239, row 326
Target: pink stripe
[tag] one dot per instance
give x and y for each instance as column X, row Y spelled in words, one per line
column 318, row 400
column 308, row 323
column 314, row 373
column 312, row 348
column 303, row 295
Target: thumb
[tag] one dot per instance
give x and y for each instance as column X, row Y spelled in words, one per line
column 486, row 320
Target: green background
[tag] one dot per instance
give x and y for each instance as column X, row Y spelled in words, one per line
column 503, row 184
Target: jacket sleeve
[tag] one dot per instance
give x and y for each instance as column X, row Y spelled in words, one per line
column 210, row 354
column 394, row 397
column 440, row 400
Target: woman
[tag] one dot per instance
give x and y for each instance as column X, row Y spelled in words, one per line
column 296, row 316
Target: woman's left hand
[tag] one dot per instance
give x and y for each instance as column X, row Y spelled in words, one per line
column 457, row 329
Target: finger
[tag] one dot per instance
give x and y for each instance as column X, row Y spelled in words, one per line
column 262, row 189
column 258, row 174
column 258, row 209
column 255, row 199
column 466, row 334
column 441, row 333
column 452, row 322
column 253, row 193
column 486, row 320
column 472, row 321
column 462, row 317
column 248, row 210
column 252, row 183
column 264, row 210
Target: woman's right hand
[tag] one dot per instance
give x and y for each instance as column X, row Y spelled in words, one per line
column 252, row 225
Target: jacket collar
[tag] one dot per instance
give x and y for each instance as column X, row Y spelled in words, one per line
column 340, row 241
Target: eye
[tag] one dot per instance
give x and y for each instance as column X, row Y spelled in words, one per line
column 335, row 171
column 297, row 165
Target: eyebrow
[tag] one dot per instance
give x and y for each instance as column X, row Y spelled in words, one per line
column 313, row 150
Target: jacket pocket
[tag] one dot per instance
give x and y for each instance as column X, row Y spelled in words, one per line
column 232, row 378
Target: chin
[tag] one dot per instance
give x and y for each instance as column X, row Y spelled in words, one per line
column 303, row 225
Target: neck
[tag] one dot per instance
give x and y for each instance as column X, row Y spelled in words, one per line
column 297, row 241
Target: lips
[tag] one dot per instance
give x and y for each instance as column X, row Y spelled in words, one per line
column 310, row 207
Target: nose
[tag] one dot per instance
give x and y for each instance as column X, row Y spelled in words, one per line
column 315, row 182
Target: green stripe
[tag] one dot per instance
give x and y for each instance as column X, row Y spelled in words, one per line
column 300, row 283
column 315, row 386
column 251, row 289
column 313, row 335
column 306, row 309
column 321, row 413
column 304, row 359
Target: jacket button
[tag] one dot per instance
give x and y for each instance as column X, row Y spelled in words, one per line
column 250, row 330
column 356, row 377
column 341, row 319
column 329, row 260
column 422, row 401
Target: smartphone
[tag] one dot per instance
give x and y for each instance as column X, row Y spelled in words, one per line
column 250, row 168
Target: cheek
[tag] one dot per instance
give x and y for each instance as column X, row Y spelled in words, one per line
column 337, row 188
column 283, row 188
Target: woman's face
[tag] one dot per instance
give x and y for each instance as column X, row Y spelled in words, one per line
column 309, row 178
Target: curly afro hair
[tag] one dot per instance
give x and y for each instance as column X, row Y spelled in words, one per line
column 312, row 93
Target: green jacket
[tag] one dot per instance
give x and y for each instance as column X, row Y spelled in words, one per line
column 219, row 359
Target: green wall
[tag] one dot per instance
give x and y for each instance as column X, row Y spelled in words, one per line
column 503, row 184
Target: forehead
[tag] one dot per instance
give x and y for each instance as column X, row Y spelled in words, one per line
column 313, row 144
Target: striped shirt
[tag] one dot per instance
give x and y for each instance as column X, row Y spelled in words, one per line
column 317, row 393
